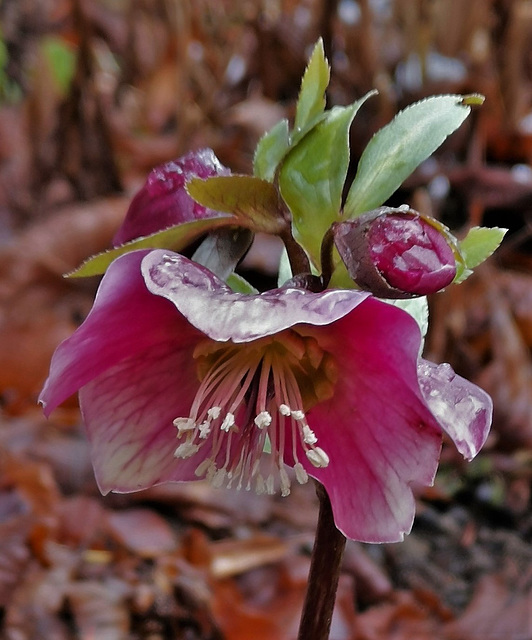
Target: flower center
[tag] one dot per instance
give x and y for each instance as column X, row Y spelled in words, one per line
column 253, row 397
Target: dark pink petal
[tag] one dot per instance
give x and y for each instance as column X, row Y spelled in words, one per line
column 163, row 201
column 463, row 410
column 377, row 430
column 125, row 319
column 210, row 306
column 128, row 412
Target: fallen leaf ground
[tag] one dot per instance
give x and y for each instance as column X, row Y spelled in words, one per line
column 93, row 94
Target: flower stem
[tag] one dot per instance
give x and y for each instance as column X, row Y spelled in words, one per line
column 299, row 262
column 327, row 265
column 325, row 564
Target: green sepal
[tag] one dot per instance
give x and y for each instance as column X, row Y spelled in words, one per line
column 271, row 149
column 312, row 177
column 311, row 100
column 254, row 201
column 397, row 149
column 174, row 238
column 477, row 246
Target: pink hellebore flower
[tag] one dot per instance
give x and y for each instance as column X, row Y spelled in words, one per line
column 180, row 379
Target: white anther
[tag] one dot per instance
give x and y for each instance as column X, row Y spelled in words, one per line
column 186, row 450
column 228, row 422
column 309, row 437
column 301, row 474
column 204, row 429
column 255, row 468
column 184, row 424
column 284, row 410
column 218, row 478
column 263, row 419
column 285, row 482
column 214, row 412
column 318, row 457
column 270, row 485
column 260, row 485
column 237, row 470
column 297, row 414
column 211, row 472
column 203, row 467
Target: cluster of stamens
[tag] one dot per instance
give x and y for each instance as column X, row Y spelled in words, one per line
column 251, row 399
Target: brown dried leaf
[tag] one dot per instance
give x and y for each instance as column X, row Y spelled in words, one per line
column 34, row 482
column 372, row 583
column 59, row 244
column 232, row 557
column 495, row 612
column 82, row 521
column 100, row 608
column 407, row 617
column 14, row 554
column 142, row 531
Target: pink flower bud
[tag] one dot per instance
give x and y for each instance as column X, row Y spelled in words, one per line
column 396, row 253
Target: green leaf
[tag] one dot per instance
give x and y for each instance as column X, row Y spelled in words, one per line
column 276, row 143
column 62, row 60
column 398, row 148
column 174, row 238
column 271, row 149
column 254, row 201
column 239, row 285
column 312, row 177
column 479, row 244
column 311, row 100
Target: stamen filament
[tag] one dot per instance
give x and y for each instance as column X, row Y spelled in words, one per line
column 249, row 394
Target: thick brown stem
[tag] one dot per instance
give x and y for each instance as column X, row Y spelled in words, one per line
column 327, row 265
column 327, row 554
column 299, row 262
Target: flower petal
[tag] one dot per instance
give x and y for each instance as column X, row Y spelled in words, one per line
column 128, row 412
column 163, row 201
column 210, row 306
column 377, row 430
column 124, row 319
column 463, row 410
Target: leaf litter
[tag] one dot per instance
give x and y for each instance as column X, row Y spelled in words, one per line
column 186, row 561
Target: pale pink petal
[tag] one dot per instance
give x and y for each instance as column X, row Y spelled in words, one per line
column 463, row 410
column 210, row 306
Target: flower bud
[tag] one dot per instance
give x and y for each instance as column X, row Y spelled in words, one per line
column 163, row 201
column 396, row 253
